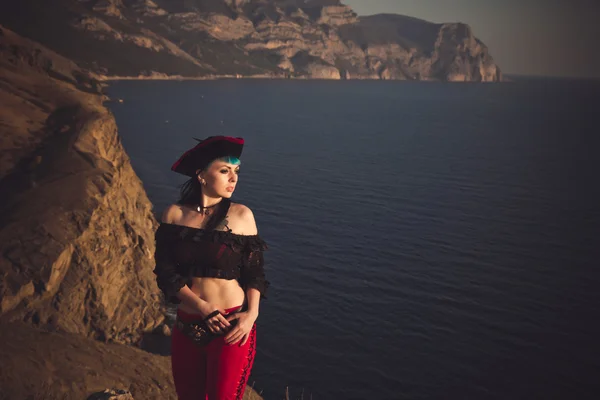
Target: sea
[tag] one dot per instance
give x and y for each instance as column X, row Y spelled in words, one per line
column 426, row 240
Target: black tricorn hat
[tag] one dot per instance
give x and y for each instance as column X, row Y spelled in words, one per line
column 209, row 149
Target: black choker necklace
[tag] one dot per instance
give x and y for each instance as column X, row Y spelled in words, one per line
column 206, row 210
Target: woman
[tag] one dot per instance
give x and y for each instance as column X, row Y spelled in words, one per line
column 209, row 260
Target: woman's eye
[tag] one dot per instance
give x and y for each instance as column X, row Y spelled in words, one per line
column 223, row 171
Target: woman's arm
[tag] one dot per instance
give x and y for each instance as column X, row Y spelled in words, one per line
column 252, row 280
column 253, row 297
column 252, row 268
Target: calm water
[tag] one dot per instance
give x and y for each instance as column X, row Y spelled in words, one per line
column 427, row 240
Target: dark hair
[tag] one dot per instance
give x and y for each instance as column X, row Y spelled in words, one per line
column 191, row 195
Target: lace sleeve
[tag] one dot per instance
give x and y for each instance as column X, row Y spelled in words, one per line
column 252, row 268
column 167, row 278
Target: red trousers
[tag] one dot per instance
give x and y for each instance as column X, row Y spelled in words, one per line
column 217, row 371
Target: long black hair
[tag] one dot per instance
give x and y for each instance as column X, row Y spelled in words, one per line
column 191, row 195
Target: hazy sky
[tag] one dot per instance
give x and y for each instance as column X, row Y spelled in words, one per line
column 533, row 37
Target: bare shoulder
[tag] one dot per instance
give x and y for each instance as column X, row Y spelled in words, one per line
column 242, row 219
column 172, row 214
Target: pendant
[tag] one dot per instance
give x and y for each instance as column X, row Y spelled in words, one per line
column 202, row 211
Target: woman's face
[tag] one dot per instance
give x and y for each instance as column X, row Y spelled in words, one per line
column 221, row 178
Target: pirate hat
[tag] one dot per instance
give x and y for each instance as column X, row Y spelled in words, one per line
column 207, row 150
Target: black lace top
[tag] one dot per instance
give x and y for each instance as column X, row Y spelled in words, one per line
column 183, row 252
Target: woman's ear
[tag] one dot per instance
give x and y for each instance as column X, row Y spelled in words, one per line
column 200, row 178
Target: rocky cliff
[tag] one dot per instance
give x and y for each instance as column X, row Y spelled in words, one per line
column 75, row 223
column 269, row 38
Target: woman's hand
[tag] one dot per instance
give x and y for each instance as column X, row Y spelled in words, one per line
column 216, row 322
column 213, row 316
column 243, row 327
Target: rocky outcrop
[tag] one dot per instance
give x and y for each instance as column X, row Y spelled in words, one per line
column 460, row 57
column 399, row 47
column 253, row 38
column 76, row 227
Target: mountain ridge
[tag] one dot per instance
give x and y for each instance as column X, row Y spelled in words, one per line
column 250, row 38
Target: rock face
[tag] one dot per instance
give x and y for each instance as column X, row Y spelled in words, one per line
column 271, row 38
column 459, row 56
column 76, row 227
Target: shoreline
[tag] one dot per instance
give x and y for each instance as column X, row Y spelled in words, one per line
column 108, row 78
column 162, row 77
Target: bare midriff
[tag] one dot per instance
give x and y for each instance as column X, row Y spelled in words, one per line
column 221, row 293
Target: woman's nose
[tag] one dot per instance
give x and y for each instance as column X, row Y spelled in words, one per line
column 233, row 177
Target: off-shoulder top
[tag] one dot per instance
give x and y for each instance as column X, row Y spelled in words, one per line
column 184, row 252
